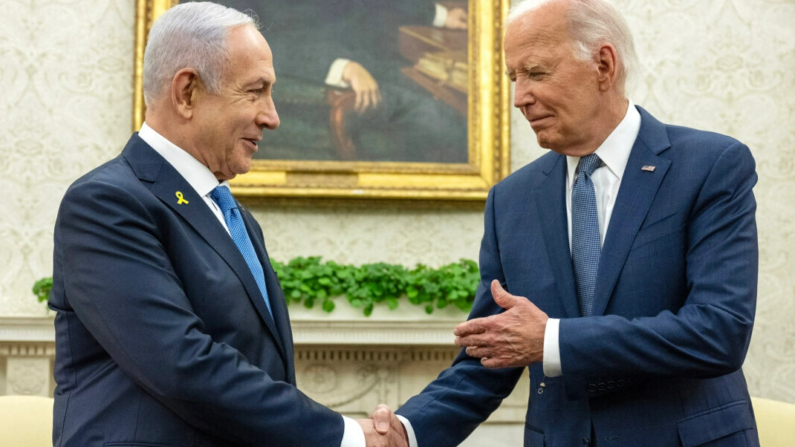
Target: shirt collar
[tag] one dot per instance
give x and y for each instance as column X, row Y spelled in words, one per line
column 198, row 176
column 614, row 151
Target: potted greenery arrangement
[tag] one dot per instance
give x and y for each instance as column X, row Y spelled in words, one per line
column 311, row 283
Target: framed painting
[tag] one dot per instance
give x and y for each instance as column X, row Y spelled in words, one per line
column 377, row 98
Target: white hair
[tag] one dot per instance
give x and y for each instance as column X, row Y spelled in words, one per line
column 593, row 23
column 190, row 35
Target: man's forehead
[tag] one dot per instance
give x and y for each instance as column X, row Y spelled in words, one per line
column 246, row 41
column 250, row 54
column 532, row 35
column 547, row 24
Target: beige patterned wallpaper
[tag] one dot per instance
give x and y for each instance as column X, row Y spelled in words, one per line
column 722, row 65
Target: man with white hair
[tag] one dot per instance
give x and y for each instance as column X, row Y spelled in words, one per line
column 171, row 326
column 620, row 269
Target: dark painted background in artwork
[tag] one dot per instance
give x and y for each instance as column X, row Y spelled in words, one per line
column 419, row 119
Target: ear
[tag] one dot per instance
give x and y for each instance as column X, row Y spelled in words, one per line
column 607, row 66
column 185, row 87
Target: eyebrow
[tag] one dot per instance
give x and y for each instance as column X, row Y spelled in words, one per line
column 527, row 68
column 261, row 81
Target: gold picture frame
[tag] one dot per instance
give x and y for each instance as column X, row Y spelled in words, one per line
column 487, row 108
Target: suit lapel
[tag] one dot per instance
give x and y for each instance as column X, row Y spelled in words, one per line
column 551, row 204
column 635, row 196
column 278, row 305
column 167, row 182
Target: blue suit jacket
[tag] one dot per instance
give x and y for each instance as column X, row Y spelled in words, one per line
column 659, row 362
column 162, row 336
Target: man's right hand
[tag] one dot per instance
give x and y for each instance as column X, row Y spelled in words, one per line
column 456, row 19
column 367, row 93
column 384, row 429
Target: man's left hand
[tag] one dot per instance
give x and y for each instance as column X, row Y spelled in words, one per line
column 512, row 338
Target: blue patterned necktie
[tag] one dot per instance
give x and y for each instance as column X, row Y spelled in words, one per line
column 223, row 198
column 585, row 240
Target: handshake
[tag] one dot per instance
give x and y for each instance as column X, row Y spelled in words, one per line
column 384, row 429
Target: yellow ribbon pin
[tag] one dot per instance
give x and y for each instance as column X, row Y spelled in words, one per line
column 180, row 199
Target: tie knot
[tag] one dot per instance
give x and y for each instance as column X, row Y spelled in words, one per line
column 223, row 197
column 588, row 164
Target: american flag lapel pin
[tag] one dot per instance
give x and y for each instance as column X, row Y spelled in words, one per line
column 647, row 168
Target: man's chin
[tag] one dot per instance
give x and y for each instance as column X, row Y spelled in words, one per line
column 544, row 141
column 231, row 173
column 240, row 170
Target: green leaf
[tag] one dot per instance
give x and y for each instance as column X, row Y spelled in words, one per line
column 305, row 280
column 42, row 289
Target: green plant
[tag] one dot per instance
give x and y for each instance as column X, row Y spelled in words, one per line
column 42, row 289
column 311, row 281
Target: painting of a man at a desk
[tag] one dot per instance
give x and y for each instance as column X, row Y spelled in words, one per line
column 367, row 80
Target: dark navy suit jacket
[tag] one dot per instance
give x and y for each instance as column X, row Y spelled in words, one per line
column 659, row 362
column 162, row 336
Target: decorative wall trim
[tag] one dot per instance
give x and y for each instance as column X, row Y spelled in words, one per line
column 305, row 331
column 21, row 329
column 435, row 333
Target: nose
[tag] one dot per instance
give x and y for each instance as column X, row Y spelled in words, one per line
column 268, row 117
column 523, row 93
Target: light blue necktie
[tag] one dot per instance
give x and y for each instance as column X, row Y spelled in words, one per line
column 585, row 240
column 223, row 197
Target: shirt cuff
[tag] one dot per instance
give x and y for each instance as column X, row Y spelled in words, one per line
column 409, row 431
column 353, row 435
column 441, row 16
column 552, row 367
column 334, row 76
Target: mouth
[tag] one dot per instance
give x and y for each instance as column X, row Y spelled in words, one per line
column 535, row 121
column 252, row 143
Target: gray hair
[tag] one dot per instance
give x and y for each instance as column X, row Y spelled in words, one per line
column 591, row 24
column 190, row 35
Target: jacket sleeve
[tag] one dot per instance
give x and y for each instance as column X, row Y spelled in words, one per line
column 464, row 395
column 120, row 282
column 708, row 335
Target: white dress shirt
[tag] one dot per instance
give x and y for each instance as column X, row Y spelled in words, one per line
column 203, row 181
column 614, row 153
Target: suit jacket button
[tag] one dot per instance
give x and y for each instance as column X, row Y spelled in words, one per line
column 620, row 383
column 591, row 388
column 611, row 385
column 601, row 387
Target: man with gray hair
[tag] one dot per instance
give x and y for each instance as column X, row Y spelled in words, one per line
column 171, row 326
column 620, row 269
